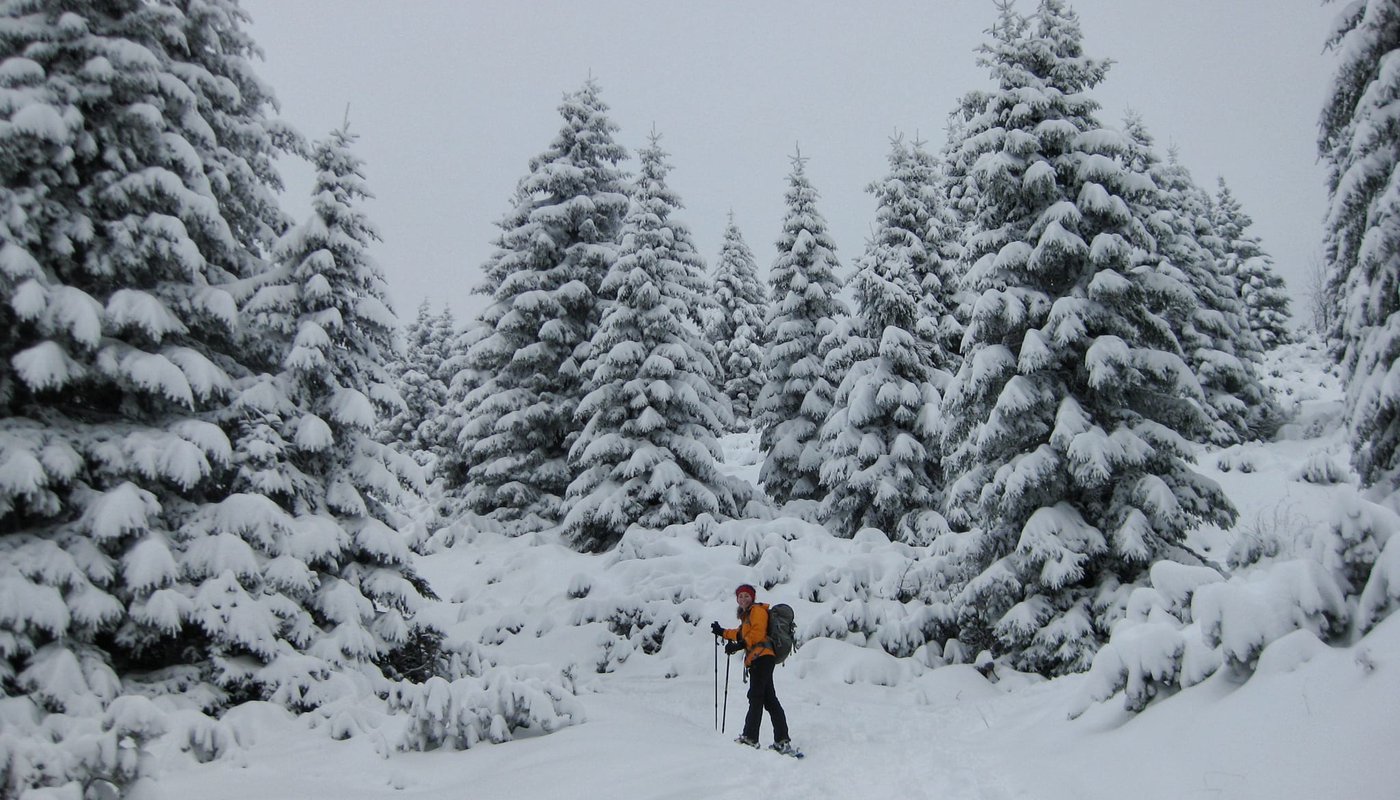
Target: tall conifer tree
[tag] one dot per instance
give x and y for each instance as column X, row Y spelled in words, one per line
column 432, row 435
column 461, row 379
column 423, row 395
column 136, row 200
column 556, row 245
column 335, row 588
column 1258, row 284
column 939, row 275
column 422, row 380
column 882, row 435
column 798, row 392
column 649, row 451
column 1360, row 144
column 1211, row 324
column 736, row 330
column 1066, row 423
column 214, row 53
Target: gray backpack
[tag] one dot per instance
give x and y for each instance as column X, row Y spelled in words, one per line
column 782, row 631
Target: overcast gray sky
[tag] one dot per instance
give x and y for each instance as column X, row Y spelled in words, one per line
column 451, row 98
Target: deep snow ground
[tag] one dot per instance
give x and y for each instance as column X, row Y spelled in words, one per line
column 1312, row 722
column 1325, row 729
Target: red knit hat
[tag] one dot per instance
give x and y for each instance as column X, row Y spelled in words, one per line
column 744, row 588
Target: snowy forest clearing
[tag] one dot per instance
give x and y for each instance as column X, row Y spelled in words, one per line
column 1048, row 457
column 1311, row 722
column 1326, row 729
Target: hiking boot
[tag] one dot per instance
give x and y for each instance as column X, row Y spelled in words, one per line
column 785, row 747
column 744, row 740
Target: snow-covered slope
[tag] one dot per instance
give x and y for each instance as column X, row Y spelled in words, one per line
column 630, row 631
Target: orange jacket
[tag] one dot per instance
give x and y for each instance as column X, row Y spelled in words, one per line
column 752, row 633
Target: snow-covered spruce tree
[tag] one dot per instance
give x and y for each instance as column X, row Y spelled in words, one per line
column 649, row 451
column 1066, row 425
column 323, row 579
column 1360, row 143
column 797, row 392
column 1260, row 288
column 1216, row 340
column 1200, row 201
column 432, row 437
column 451, row 466
column 400, row 427
column 954, row 208
column 939, row 275
column 136, row 194
column 420, row 381
column 556, row 245
column 213, row 54
column 882, row 435
column 736, row 331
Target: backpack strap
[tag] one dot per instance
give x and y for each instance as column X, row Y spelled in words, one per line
column 768, row 625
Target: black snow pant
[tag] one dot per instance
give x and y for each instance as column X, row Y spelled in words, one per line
column 761, row 696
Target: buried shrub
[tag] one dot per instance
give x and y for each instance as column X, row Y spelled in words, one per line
column 499, row 706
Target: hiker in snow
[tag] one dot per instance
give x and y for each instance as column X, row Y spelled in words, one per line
column 759, row 660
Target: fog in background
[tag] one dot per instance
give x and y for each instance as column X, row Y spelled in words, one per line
column 451, row 99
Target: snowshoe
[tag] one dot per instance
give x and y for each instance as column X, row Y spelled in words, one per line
column 785, row 747
column 747, row 742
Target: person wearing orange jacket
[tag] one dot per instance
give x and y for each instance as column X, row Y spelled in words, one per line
column 752, row 637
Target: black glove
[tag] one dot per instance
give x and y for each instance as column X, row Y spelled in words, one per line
column 732, row 648
column 716, row 629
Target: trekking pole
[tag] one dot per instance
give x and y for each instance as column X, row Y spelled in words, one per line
column 716, row 683
column 724, row 719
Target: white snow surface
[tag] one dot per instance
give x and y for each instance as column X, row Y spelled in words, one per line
column 1313, row 721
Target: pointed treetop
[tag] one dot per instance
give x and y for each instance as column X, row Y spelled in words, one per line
column 799, row 164
column 1009, row 23
column 1044, row 50
column 655, row 167
column 1007, row 18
